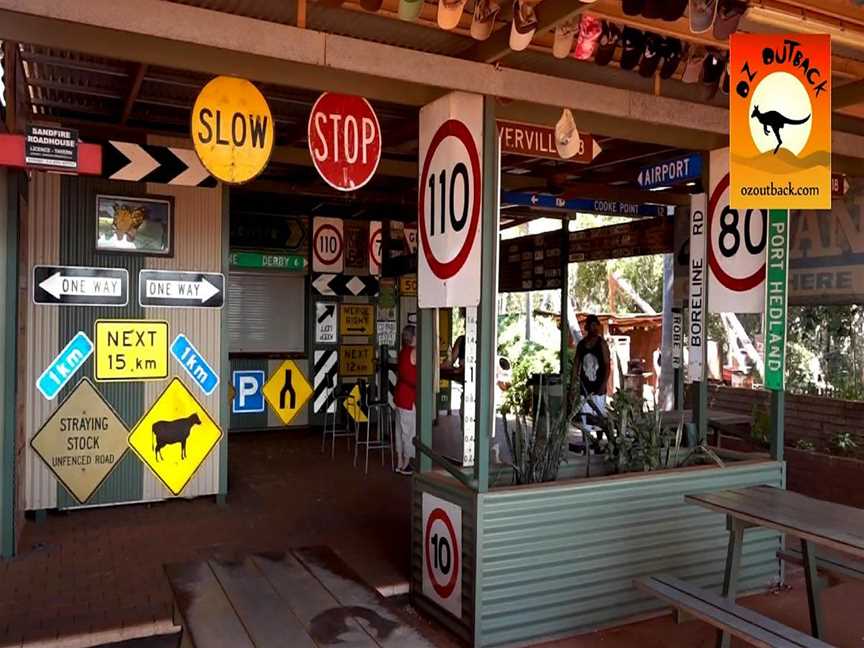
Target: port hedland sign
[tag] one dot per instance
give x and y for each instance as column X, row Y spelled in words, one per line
column 535, row 140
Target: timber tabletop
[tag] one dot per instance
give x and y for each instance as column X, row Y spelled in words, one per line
column 824, row 523
column 303, row 598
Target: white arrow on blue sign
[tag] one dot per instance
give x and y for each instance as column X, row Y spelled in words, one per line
column 671, row 172
column 194, row 364
column 64, row 366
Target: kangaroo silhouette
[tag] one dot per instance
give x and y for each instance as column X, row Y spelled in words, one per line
column 775, row 121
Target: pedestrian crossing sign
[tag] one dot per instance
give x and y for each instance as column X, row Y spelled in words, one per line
column 175, row 436
column 287, row 391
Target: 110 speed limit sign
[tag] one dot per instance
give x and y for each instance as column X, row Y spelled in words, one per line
column 327, row 245
column 442, row 553
column 736, row 247
column 450, row 197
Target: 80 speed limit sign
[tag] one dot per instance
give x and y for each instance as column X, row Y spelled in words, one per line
column 442, row 553
column 736, row 247
column 450, row 196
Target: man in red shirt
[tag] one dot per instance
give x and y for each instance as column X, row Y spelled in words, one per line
column 404, row 398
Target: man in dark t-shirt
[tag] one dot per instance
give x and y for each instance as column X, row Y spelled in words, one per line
column 591, row 369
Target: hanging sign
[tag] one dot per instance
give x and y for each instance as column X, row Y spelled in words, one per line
column 332, row 285
column 357, row 319
column 450, row 201
column 195, row 365
column 736, row 247
column 536, row 140
column 47, row 147
column 442, row 553
column 586, row 205
column 696, row 334
column 356, row 360
column 232, row 129
column 248, row 395
column 170, row 289
column 344, row 140
column 82, row 441
column 64, row 366
column 839, row 185
column 327, row 245
column 671, row 172
column 780, row 121
column 386, row 333
column 410, row 234
column 287, row 391
column 131, row 350
column 677, row 338
column 325, row 323
column 375, row 247
column 469, row 389
column 80, row 286
column 776, row 294
column 288, row 262
column 356, row 248
column 175, row 436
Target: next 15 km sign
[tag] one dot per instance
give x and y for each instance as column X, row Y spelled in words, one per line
column 450, row 197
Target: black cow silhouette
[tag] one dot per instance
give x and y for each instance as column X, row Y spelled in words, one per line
column 775, row 121
column 170, row 432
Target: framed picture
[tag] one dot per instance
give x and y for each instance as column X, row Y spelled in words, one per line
column 135, row 224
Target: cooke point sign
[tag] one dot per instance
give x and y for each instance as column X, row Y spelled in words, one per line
column 780, row 121
column 344, row 140
column 232, row 129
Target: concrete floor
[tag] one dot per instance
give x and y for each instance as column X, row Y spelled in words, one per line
column 94, row 577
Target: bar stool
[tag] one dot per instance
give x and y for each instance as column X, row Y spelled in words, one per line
column 341, row 396
column 379, row 410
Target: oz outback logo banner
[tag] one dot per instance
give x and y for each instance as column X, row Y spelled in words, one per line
column 780, row 121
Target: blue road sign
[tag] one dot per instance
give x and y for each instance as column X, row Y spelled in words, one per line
column 248, row 394
column 671, row 172
column 194, row 364
column 64, row 366
column 583, row 205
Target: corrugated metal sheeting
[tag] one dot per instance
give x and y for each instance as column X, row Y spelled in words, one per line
column 560, row 559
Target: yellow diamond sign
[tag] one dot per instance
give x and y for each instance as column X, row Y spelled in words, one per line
column 175, row 436
column 82, row 441
column 287, row 391
column 354, row 406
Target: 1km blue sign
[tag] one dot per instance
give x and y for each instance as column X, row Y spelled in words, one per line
column 195, row 365
column 671, row 172
column 64, row 366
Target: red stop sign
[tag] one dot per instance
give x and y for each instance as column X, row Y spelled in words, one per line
column 344, row 140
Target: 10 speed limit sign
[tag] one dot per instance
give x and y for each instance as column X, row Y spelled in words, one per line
column 442, row 553
column 450, row 197
column 736, row 247
column 327, row 245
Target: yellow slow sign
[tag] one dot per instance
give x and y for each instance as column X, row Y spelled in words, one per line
column 232, row 129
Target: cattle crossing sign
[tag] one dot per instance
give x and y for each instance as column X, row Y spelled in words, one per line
column 175, row 436
column 287, row 391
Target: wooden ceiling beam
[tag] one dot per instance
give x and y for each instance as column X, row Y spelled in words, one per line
column 134, row 91
column 850, row 94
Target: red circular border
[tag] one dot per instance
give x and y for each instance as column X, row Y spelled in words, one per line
column 457, row 129
column 732, row 283
column 372, row 246
column 442, row 590
column 326, row 226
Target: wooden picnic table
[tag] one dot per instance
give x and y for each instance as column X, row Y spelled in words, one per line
column 814, row 522
column 304, row 598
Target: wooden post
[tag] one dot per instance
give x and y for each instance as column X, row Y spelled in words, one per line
column 565, row 315
column 427, row 355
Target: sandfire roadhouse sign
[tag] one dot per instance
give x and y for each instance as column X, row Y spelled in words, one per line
column 344, row 140
column 171, row 289
column 328, row 245
column 780, row 121
column 232, row 129
column 442, row 553
column 450, row 196
column 48, row 147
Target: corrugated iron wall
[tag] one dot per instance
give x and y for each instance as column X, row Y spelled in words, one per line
column 560, row 560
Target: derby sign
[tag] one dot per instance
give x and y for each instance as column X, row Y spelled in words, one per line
column 232, row 129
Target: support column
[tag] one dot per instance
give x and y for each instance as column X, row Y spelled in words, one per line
column 565, row 315
column 487, row 325
column 700, row 384
column 427, row 356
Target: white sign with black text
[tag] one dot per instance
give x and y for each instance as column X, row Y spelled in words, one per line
column 698, row 281
column 325, row 323
column 442, row 553
column 677, row 338
column 451, row 201
column 48, row 147
column 469, row 388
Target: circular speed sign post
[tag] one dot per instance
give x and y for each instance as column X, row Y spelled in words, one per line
column 327, row 245
column 442, row 553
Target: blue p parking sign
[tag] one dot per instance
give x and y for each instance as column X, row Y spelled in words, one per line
column 248, row 397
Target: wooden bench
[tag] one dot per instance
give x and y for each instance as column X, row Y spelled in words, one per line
column 725, row 614
column 834, row 565
column 302, row 598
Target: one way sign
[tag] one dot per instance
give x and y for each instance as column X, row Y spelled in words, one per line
column 167, row 288
column 287, row 391
column 80, row 286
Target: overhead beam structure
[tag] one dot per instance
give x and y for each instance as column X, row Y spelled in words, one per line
column 850, row 94
column 159, row 33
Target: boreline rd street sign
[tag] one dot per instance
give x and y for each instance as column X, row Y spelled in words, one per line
column 80, row 286
column 671, row 172
column 170, row 289
column 696, row 319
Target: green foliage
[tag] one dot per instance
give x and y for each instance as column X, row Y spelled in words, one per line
column 844, row 443
column 805, row 444
column 533, row 358
column 761, row 425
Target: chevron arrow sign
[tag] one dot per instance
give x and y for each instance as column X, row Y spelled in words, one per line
column 151, row 163
column 343, row 285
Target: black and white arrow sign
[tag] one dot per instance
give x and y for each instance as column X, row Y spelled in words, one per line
column 151, row 163
column 80, row 286
column 167, row 288
column 340, row 284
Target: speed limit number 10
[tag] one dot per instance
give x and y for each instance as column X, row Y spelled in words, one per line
column 442, row 553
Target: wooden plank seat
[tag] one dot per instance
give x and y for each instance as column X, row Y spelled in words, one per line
column 833, row 564
column 302, row 598
column 726, row 615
